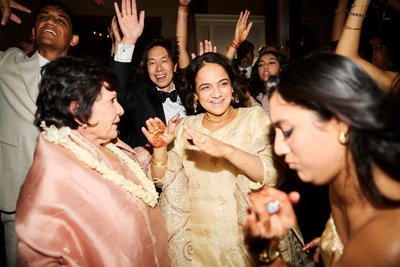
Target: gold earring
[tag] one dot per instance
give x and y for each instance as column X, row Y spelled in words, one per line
column 195, row 106
column 342, row 138
column 84, row 126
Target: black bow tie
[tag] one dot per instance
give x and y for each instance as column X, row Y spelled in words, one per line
column 173, row 95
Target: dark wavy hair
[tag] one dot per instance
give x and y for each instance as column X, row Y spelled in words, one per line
column 333, row 86
column 198, row 63
column 68, row 79
column 256, row 85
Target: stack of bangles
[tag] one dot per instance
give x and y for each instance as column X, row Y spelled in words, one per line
column 159, row 163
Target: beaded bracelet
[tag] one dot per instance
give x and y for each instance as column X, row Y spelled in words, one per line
column 351, row 13
column 159, row 163
column 341, row 10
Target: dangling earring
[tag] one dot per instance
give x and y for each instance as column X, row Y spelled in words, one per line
column 342, row 138
column 236, row 99
column 195, row 106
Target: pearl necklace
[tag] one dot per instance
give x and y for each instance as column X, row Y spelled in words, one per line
column 146, row 192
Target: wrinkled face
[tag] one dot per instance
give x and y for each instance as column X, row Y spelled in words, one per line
column 106, row 112
column 310, row 146
column 213, row 89
column 268, row 65
column 160, row 67
column 53, row 29
column 380, row 54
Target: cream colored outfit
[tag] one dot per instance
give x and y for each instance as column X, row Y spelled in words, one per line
column 204, row 199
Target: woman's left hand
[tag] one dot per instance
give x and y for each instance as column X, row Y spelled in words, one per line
column 206, row 143
column 158, row 134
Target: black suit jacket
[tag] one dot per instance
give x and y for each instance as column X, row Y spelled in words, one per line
column 140, row 102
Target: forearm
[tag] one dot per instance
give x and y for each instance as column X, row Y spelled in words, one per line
column 349, row 41
column 249, row 164
column 230, row 53
column 159, row 162
column 339, row 19
column 181, row 34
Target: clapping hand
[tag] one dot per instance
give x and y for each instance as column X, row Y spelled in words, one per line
column 128, row 21
column 5, row 8
column 158, row 134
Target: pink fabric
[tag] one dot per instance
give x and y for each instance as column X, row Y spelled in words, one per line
column 68, row 214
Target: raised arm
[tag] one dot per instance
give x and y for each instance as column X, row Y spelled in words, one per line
column 241, row 32
column 339, row 19
column 181, row 33
column 350, row 40
column 6, row 14
column 131, row 27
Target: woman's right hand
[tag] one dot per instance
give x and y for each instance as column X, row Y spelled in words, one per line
column 158, row 134
column 264, row 224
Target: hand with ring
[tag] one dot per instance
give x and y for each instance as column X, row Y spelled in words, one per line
column 206, row 143
column 272, row 214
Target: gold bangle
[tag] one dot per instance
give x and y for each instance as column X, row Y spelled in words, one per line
column 351, row 28
column 267, row 256
column 341, row 10
column 159, row 163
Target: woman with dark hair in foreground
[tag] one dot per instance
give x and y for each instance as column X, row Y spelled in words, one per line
column 335, row 126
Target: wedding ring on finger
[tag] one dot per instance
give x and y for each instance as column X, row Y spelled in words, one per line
column 273, row 206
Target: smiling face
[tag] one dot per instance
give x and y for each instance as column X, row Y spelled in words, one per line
column 106, row 112
column 310, row 146
column 213, row 89
column 160, row 68
column 268, row 65
column 53, row 30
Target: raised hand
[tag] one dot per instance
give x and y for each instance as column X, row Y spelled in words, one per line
column 184, row 2
column 158, row 134
column 207, row 47
column 242, row 27
column 5, row 8
column 115, row 36
column 128, row 21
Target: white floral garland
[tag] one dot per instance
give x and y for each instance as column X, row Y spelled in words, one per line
column 147, row 192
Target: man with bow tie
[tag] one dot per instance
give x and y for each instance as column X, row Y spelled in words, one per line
column 155, row 96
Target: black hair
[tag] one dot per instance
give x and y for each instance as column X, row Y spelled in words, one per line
column 243, row 49
column 170, row 44
column 68, row 79
column 256, row 85
column 333, row 86
column 198, row 63
column 61, row 5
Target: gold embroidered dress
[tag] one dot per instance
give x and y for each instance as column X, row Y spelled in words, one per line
column 204, row 198
column 330, row 244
